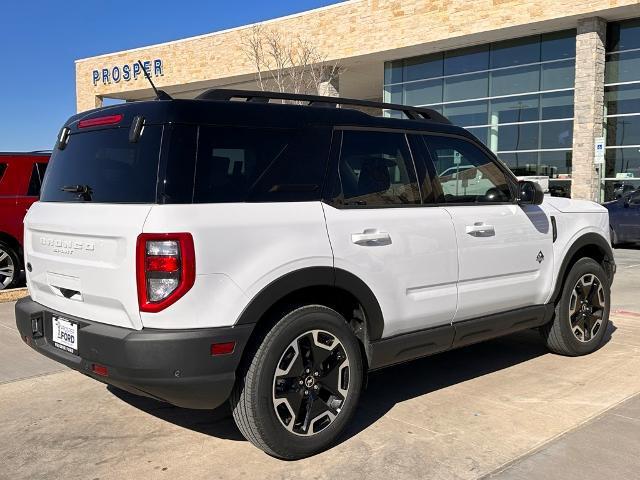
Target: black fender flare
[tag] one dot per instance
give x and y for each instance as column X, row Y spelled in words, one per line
column 588, row 239
column 317, row 277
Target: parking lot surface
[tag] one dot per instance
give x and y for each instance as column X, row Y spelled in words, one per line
column 505, row 409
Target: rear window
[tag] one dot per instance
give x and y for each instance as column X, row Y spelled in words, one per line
column 103, row 166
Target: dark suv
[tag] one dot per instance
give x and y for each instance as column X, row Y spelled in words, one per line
column 21, row 176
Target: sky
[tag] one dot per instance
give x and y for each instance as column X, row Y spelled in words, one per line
column 40, row 40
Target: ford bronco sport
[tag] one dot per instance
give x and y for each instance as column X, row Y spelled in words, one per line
column 269, row 254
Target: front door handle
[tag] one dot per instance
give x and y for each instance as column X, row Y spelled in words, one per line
column 371, row 236
column 480, row 229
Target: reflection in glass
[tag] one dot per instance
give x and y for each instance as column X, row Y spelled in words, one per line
column 622, row 67
column 558, row 75
column 557, row 105
column 393, row 72
column 623, row 35
column 517, row 137
column 421, row 93
column 419, row 68
column 521, row 164
column 515, row 80
column 556, row 164
column 481, row 133
column 558, row 45
column 622, row 99
column 393, row 94
column 468, row 113
column 623, row 161
column 466, row 60
column 514, row 109
column 556, row 134
column 623, row 130
column 515, row 52
column 466, row 86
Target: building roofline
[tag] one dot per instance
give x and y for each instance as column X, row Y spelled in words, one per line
column 220, row 32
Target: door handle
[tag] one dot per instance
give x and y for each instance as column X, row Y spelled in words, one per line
column 371, row 237
column 480, row 229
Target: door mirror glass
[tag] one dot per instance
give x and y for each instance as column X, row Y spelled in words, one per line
column 531, row 193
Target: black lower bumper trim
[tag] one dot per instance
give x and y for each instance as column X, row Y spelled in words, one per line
column 175, row 366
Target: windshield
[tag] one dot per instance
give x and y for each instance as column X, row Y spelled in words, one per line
column 102, row 166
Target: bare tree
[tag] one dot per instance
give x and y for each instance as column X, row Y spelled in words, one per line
column 287, row 63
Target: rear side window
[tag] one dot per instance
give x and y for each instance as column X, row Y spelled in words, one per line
column 245, row 164
column 466, row 174
column 376, row 169
column 35, row 182
column 3, row 167
column 103, row 166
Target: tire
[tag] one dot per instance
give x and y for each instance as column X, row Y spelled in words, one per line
column 273, row 372
column 9, row 267
column 579, row 328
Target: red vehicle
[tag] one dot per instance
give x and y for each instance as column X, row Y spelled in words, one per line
column 21, row 176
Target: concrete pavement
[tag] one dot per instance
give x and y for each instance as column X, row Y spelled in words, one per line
column 505, row 408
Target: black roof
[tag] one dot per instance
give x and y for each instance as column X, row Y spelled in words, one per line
column 217, row 107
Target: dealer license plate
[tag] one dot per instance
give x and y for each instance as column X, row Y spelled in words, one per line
column 65, row 335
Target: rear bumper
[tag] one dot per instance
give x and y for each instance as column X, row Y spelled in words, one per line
column 175, row 366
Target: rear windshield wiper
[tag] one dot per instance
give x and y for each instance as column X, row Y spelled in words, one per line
column 84, row 191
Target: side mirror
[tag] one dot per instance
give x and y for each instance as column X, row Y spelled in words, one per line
column 530, row 193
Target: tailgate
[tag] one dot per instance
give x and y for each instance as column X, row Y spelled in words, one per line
column 82, row 259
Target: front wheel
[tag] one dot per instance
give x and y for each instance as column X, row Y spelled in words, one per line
column 582, row 312
column 298, row 391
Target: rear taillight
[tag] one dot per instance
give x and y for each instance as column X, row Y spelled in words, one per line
column 98, row 121
column 166, row 269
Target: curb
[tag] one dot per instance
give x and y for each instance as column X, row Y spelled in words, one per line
column 12, row 294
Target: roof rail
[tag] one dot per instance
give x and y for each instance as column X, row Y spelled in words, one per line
column 413, row 113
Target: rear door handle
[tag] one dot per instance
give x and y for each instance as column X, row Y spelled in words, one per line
column 371, row 237
column 480, row 229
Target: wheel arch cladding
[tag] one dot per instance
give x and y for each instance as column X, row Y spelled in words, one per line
column 589, row 245
column 328, row 285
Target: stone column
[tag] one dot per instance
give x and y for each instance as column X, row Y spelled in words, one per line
column 589, row 105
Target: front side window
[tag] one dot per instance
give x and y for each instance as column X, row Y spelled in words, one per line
column 466, row 174
column 35, row 183
column 3, row 167
column 376, row 169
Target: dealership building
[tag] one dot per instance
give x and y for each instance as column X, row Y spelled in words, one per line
column 551, row 86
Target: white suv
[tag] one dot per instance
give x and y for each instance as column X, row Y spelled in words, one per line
column 202, row 250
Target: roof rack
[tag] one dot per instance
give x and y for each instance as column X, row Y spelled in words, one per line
column 413, row 113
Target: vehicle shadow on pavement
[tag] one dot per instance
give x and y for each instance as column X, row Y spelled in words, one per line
column 385, row 388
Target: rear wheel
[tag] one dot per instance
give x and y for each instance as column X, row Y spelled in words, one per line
column 300, row 388
column 582, row 313
column 9, row 267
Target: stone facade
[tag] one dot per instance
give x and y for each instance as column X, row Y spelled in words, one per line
column 353, row 29
column 589, row 105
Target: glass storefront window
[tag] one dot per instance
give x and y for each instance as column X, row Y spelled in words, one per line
column 623, row 130
column 556, row 134
column 560, row 188
column 423, row 93
column 515, row 80
column 558, row 45
column 622, row 99
column 614, row 189
column 622, row 67
column 465, row 60
column 465, row 87
column 421, row 68
column 522, row 136
column 623, row 35
column 515, row 52
column 622, row 162
column 557, row 75
column 468, row 113
column 514, row 109
column 521, row 164
column 495, row 91
column 556, row 105
column 555, row 164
